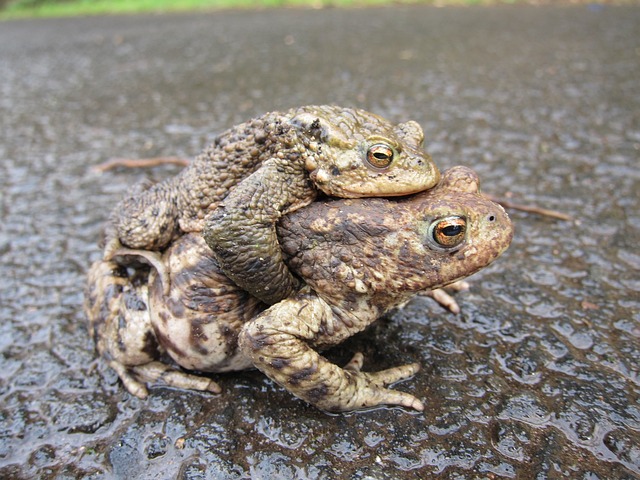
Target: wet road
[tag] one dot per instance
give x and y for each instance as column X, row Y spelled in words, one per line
column 539, row 375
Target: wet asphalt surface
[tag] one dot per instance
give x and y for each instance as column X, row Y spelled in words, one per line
column 538, row 377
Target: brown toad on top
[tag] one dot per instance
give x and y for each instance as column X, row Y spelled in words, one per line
column 262, row 169
column 358, row 259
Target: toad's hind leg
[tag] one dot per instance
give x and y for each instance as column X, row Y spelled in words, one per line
column 117, row 305
column 148, row 219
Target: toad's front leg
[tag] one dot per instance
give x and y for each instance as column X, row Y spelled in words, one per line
column 279, row 341
column 242, row 233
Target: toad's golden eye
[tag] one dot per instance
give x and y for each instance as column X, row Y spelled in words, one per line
column 380, row 155
column 448, row 232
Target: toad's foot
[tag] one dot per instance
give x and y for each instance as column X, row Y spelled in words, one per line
column 133, row 386
column 444, row 298
column 155, row 372
column 135, row 378
column 373, row 392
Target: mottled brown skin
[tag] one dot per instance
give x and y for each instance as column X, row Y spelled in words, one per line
column 270, row 166
column 117, row 305
column 209, row 307
column 177, row 305
column 358, row 259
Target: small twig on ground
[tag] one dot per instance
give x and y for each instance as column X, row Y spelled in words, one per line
column 140, row 163
column 530, row 208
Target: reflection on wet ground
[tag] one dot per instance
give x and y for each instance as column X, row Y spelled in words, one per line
column 537, row 377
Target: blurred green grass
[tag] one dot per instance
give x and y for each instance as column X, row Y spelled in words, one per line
column 12, row 9
column 15, row 9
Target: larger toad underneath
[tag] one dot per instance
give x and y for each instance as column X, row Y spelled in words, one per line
column 357, row 258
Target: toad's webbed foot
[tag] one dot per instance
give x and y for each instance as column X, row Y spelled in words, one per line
column 136, row 378
column 373, row 392
column 129, row 380
column 160, row 373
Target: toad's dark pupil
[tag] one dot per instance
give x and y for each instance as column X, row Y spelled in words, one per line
column 380, row 156
column 452, row 230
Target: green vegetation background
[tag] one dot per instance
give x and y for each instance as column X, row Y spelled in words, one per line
column 10, row 9
column 47, row 8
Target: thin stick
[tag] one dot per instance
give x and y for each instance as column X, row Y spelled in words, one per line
column 140, row 163
column 530, row 208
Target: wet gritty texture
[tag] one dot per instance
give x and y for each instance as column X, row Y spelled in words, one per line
column 538, row 377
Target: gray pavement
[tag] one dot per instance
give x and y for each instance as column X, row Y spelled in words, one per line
column 539, row 375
